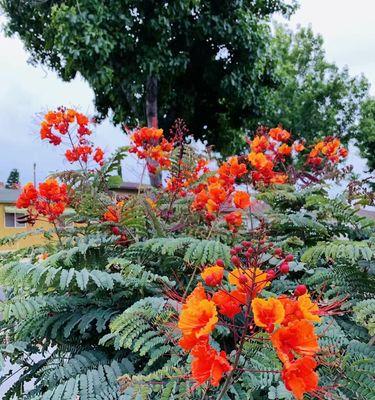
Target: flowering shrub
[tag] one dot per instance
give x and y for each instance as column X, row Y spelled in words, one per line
column 229, row 283
column 237, row 305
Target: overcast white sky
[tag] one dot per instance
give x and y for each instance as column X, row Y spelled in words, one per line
column 347, row 26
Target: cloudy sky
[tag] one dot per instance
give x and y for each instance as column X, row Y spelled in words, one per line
column 348, row 28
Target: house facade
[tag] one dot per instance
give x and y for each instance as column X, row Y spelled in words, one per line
column 9, row 224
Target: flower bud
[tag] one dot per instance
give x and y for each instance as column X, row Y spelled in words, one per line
column 220, row 262
column 236, row 261
column 271, row 274
column 300, row 290
column 233, row 252
column 289, row 257
column 278, row 251
column 284, row 267
column 246, row 243
column 249, row 253
column 115, row 230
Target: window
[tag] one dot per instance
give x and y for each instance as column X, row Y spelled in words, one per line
column 11, row 220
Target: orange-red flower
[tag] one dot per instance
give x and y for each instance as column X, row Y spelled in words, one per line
column 259, row 161
column 296, row 338
column 49, row 200
column 267, row 313
column 150, row 144
column 259, row 144
column 292, row 310
column 51, row 190
column 279, row 134
column 309, row 309
column 213, row 275
column 284, row 150
column 234, row 220
column 251, row 280
column 241, row 199
column 28, row 195
column 299, row 376
column 330, row 149
column 303, row 308
column 228, row 303
column 298, row 147
column 99, row 155
column 113, row 213
column 208, row 364
column 198, row 316
column 231, row 170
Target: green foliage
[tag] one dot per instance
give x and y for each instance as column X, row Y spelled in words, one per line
column 340, row 249
column 192, row 251
column 314, row 97
column 359, row 364
column 13, row 179
column 364, row 315
column 365, row 136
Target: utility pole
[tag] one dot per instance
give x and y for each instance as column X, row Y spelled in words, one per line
column 34, row 173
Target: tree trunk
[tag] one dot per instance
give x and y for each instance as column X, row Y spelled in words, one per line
column 152, row 122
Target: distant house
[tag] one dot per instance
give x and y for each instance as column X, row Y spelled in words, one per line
column 129, row 188
column 9, row 224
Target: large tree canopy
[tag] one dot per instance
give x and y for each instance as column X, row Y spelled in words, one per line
column 210, row 57
column 314, row 97
column 366, row 132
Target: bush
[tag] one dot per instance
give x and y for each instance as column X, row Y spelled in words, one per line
column 193, row 289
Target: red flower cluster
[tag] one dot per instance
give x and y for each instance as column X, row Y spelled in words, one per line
column 288, row 320
column 151, row 145
column 113, row 213
column 218, row 192
column 268, row 150
column 57, row 125
column 181, row 182
column 330, row 149
column 292, row 334
column 49, row 200
column 197, row 320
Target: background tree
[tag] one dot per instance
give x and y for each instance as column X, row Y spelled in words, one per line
column 314, row 97
column 208, row 61
column 366, row 132
column 13, row 179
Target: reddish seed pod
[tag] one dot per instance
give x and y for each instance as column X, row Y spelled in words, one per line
column 271, row 274
column 210, row 217
column 300, row 290
column 236, row 261
column 248, row 253
column 233, row 252
column 250, row 250
column 220, row 262
column 289, row 257
column 284, row 268
column 115, row 230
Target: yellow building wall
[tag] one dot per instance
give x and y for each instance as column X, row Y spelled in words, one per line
column 25, row 242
